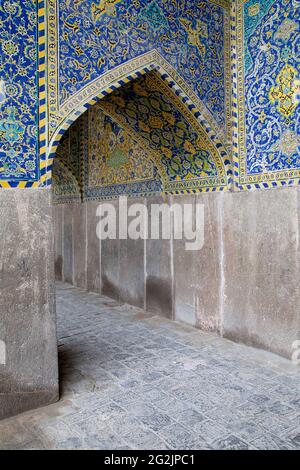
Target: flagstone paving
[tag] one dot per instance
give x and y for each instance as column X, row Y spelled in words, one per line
column 131, row 380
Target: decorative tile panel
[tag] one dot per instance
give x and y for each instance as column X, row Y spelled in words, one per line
column 19, row 138
column 268, row 119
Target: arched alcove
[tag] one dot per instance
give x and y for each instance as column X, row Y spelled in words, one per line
column 144, row 136
column 146, row 111
column 194, row 110
column 144, row 140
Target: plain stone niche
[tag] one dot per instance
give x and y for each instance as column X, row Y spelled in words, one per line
column 243, row 283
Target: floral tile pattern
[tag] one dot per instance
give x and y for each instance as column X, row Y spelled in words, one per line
column 19, row 92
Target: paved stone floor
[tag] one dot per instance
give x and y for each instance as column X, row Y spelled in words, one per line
column 136, row 381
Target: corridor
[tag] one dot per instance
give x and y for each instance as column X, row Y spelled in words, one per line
column 130, row 380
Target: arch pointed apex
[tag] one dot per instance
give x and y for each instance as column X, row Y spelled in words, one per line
column 122, row 75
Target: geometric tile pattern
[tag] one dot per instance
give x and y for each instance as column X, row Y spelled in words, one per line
column 66, row 167
column 187, row 159
column 96, row 37
column 141, row 139
column 179, row 93
column 102, row 44
column 115, row 162
column 155, row 23
column 65, row 186
column 132, row 380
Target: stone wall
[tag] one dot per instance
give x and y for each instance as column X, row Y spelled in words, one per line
column 29, row 378
column 244, row 282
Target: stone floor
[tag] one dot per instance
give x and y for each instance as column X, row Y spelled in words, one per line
column 136, row 381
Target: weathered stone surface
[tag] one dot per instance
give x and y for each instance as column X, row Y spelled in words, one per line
column 58, row 232
column 243, row 282
column 68, row 244
column 159, row 279
column 197, row 273
column 132, row 270
column 298, row 262
column 110, row 264
column 12, row 404
column 131, row 275
column 93, row 249
column 261, row 268
column 27, row 309
column 80, row 245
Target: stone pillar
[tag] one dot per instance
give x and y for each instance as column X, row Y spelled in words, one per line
column 261, row 269
column 29, row 378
